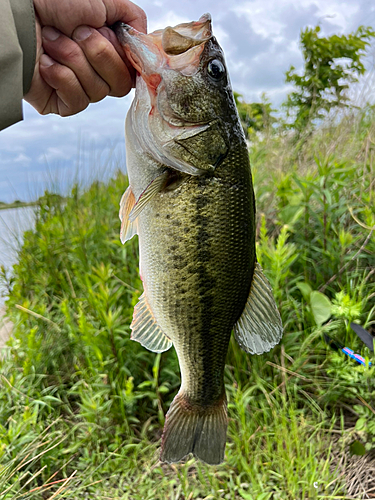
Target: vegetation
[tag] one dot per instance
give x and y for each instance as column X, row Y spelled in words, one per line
column 82, row 407
column 331, row 64
column 16, row 204
column 254, row 116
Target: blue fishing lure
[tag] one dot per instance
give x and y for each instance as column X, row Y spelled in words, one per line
column 363, row 334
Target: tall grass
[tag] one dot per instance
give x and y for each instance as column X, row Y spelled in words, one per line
column 82, row 406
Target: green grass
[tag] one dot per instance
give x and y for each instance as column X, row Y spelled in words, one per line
column 82, row 406
column 17, row 204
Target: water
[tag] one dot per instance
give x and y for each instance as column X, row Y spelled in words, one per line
column 13, row 223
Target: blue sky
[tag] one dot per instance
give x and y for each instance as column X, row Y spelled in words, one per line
column 260, row 39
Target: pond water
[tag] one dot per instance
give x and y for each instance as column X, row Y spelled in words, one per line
column 13, row 223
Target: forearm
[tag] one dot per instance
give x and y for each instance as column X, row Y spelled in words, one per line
column 17, row 57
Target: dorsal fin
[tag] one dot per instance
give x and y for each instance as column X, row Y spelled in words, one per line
column 145, row 329
column 259, row 327
column 128, row 229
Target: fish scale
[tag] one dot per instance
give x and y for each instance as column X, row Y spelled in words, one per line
column 191, row 202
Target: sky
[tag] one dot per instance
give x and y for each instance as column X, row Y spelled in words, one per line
column 260, row 39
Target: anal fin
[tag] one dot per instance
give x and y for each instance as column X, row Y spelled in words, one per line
column 259, row 328
column 128, row 229
column 145, row 329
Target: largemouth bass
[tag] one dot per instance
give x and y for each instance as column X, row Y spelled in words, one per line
column 190, row 200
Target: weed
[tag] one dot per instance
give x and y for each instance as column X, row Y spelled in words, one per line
column 82, row 406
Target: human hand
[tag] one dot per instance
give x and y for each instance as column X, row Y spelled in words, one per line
column 79, row 59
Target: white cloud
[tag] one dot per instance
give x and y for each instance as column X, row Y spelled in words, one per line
column 54, row 153
column 338, row 13
column 264, row 23
column 260, row 39
column 170, row 18
column 11, row 148
column 22, row 158
column 270, row 18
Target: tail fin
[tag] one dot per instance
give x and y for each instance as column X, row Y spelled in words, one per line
column 195, row 429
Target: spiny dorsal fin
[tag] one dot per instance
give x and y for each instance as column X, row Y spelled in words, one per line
column 145, row 330
column 259, row 327
column 155, row 186
column 128, row 229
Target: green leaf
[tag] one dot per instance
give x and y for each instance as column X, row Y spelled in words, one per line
column 244, row 495
column 320, row 307
column 330, row 65
column 360, row 424
column 305, row 289
column 357, row 448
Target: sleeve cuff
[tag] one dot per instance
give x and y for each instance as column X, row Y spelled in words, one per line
column 24, row 18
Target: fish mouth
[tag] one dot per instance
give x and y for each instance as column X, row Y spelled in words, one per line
column 163, row 131
column 178, row 48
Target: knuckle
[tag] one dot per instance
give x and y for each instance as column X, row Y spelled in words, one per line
column 101, row 94
column 50, row 107
column 122, row 85
column 120, row 91
column 70, row 52
column 72, row 108
column 46, row 110
column 62, row 74
column 102, row 49
column 141, row 14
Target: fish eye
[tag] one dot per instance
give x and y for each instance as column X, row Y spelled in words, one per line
column 216, row 69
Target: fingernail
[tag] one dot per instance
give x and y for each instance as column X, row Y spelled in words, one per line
column 50, row 33
column 46, row 60
column 81, row 33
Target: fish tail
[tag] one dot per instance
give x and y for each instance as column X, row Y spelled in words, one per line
column 200, row 430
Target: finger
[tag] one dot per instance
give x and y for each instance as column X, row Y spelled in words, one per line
column 68, row 53
column 128, row 13
column 39, row 93
column 109, row 34
column 69, row 97
column 105, row 60
column 66, row 15
column 111, row 37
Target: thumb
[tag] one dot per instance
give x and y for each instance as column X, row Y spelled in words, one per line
column 126, row 12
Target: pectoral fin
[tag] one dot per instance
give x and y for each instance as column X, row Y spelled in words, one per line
column 128, row 229
column 259, row 327
column 145, row 329
column 155, row 186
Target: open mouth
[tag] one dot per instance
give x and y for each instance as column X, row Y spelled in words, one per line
column 178, row 48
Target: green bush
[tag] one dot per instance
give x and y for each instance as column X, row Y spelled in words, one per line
column 82, row 406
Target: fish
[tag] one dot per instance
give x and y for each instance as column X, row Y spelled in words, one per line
column 191, row 202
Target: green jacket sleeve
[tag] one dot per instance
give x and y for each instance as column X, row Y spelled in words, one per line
column 17, row 57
